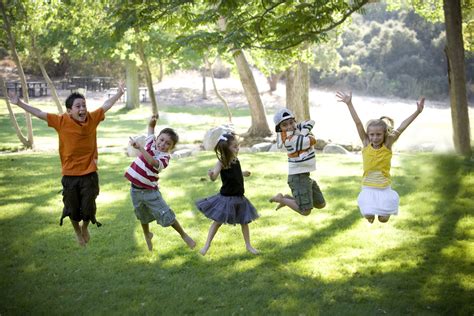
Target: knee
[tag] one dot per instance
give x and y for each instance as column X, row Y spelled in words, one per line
column 383, row 219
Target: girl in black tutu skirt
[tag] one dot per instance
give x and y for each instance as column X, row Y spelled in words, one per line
column 229, row 206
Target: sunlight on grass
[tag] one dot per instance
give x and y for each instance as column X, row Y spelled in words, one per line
column 331, row 261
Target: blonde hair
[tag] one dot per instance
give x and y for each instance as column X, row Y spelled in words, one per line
column 222, row 149
column 385, row 122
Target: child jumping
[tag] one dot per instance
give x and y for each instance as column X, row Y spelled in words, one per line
column 143, row 175
column 377, row 196
column 229, row 206
column 77, row 133
column 299, row 144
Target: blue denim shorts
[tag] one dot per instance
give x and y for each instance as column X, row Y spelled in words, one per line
column 150, row 206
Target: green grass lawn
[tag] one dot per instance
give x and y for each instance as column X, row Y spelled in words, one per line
column 331, row 262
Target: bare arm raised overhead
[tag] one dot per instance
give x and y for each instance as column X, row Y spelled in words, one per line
column 347, row 99
column 28, row 108
column 110, row 102
column 397, row 132
column 152, row 124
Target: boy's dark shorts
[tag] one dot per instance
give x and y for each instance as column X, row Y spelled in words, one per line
column 79, row 194
column 305, row 191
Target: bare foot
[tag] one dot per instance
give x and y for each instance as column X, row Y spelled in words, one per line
column 80, row 240
column 148, row 241
column 278, row 198
column 204, row 250
column 189, row 241
column 252, row 250
column 85, row 234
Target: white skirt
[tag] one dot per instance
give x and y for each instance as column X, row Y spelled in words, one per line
column 378, row 201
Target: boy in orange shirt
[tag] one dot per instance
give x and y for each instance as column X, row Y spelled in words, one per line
column 77, row 132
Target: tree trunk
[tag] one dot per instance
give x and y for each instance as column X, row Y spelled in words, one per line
column 13, row 120
column 273, row 81
column 133, row 96
column 457, row 76
column 226, row 105
column 149, row 80
column 203, row 73
column 259, row 127
column 297, row 90
column 24, row 86
column 160, row 75
column 52, row 88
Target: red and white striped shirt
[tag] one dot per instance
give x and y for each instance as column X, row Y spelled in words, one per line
column 143, row 174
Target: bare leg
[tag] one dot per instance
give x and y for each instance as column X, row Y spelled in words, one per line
column 384, row 219
column 210, row 236
column 148, row 236
column 188, row 240
column 290, row 202
column 246, row 233
column 78, row 231
column 370, row 218
column 279, row 195
column 85, row 231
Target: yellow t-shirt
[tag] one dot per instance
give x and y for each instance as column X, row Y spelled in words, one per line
column 77, row 142
column 377, row 163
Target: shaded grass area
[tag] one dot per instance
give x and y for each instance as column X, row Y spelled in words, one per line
column 331, row 262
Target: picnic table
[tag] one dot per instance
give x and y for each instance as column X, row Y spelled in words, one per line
column 91, row 83
column 35, row 88
column 142, row 92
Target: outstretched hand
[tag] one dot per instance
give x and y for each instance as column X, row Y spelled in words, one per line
column 153, row 120
column 346, row 98
column 420, row 105
column 14, row 99
column 134, row 143
column 121, row 88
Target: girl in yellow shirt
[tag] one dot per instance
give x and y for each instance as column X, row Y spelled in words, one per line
column 377, row 196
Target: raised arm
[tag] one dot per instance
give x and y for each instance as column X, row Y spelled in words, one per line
column 396, row 133
column 28, row 108
column 149, row 158
column 110, row 102
column 152, row 124
column 347, row 99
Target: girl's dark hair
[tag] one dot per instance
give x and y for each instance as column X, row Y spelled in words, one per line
column 172, row 134
column 222, row 149
column 73, row 96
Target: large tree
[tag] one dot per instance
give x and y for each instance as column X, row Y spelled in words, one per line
column 452, row 12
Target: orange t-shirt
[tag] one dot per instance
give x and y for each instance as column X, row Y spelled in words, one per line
column 77, row 142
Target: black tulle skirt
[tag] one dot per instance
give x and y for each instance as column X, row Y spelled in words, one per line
column 228, row 209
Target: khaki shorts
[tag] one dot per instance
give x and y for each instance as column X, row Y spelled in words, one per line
column 149, row 206
column 305, row 191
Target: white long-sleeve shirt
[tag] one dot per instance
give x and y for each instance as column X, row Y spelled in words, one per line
column 300, row 147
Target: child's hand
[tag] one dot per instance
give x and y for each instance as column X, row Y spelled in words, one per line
column 246, row 173
column 420, row 105
column 153, row 120
column 134, row 144
column 346, row 98
column 210, row 173
column 13, row 98
column 121, row 88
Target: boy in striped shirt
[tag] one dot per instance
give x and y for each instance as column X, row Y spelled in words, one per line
column 147, row 201
column 299, row 144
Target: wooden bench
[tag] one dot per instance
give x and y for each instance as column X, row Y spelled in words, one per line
column 142, row 92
